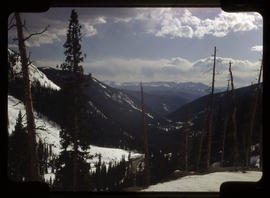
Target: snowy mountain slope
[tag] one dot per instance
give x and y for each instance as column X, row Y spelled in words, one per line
column 35, row 74
column 121, row 98
column 113, row 105
column 209, row 182
column 50, row 135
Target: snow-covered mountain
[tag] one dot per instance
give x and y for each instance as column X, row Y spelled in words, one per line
column 35, row 74
column 48, row 133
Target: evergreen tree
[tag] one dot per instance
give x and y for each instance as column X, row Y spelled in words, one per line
column 73, row 47
column 64, row 167
column 18, row 155
column 71, row 163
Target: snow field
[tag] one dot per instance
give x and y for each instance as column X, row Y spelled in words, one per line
column 48, row 132
column 109, row 155
column 209, row 182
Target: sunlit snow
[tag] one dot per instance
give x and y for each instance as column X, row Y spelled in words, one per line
column 209, row 182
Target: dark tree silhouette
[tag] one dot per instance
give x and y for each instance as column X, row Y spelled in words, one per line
column 18, row 155
column 28, row 103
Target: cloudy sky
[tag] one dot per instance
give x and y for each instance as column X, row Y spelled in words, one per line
column 152, row 44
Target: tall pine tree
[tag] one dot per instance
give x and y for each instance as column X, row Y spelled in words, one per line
column 73, row 171
column 73, row 47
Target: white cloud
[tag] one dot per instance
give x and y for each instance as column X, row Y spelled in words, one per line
column 160, row 22
column 176, row 69
column 257, row 48
column 177, row 22
column 89, row 30
column 89, row 25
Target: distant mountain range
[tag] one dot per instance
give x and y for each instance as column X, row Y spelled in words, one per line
column 166, row 97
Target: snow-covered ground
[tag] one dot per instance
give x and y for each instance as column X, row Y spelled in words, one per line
column 35, row 74
column 109, row 155
column 48, row 131
column 209, row 182
column 50, row 135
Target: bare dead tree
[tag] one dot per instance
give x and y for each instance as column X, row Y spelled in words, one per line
column 224, row 130
column 203, row 134
column 187, row 129
column 146, row 149
column 28, row 103
column 252, row 120
column 234, row 131
column 210, row 121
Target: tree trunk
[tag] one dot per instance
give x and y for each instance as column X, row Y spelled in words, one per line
column 75, row 142
column 202, row 136
column 225, row 129
column 31, row 128
column 224, row 140
column 146, row 151
column 261, row 147
column 252, row 120
column 186, row 139
column 210, row 123
column 235, row 139
column 75, row 92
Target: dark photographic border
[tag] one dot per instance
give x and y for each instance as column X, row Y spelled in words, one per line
column 228, row 189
